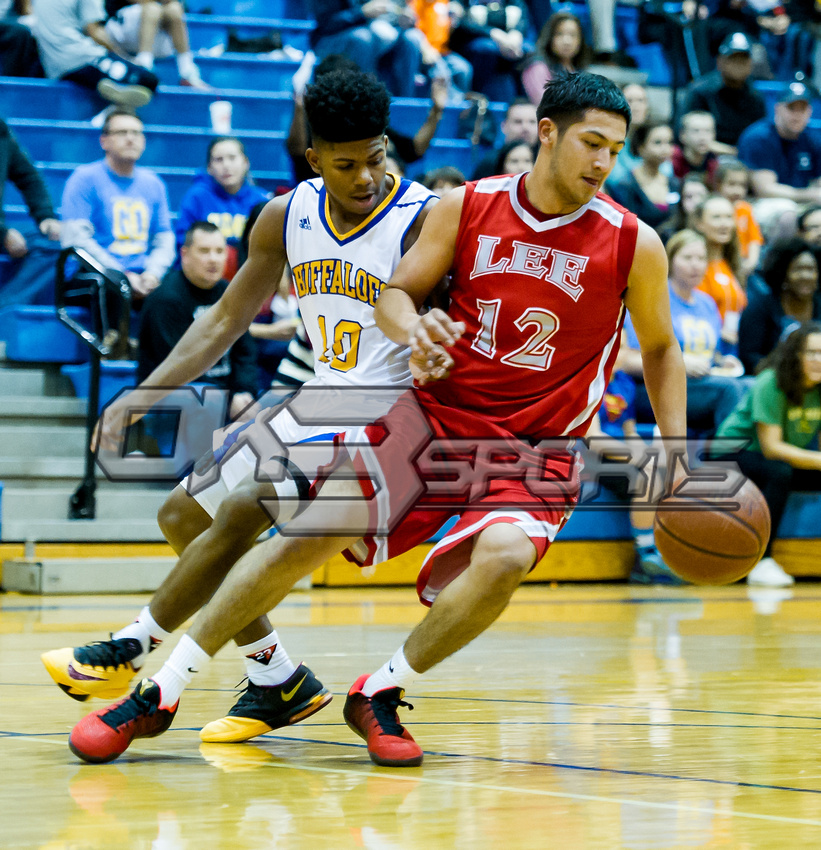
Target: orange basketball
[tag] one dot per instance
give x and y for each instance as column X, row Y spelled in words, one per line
column 705, row 544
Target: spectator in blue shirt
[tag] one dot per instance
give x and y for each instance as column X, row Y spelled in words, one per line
column 782, row 153
column 224, row 196
column 118, row 211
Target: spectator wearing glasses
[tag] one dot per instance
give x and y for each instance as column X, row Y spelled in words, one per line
column 117, row 210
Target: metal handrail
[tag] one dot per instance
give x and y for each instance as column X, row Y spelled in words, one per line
column 96, row 284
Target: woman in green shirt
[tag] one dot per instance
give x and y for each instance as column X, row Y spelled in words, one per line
column 781, row 417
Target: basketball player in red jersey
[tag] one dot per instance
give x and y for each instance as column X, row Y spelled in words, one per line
column 542, row 268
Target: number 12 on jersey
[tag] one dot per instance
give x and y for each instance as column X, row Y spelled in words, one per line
column 536, row 353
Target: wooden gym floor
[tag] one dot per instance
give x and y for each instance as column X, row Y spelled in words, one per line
column 590, row 716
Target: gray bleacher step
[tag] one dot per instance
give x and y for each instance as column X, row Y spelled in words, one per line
column 70, row 411
column 42, row 467
column 86, row 575
column 124, row 503
column 21, row 382
column 82, row 531
column 27, row 440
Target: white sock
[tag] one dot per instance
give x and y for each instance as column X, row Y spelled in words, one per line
column 186, row 659
column 397, row 673
column 145, row 59
column 186, row 66
column 266, row 662
column 146, row 630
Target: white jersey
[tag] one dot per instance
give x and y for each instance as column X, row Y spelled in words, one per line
column 338, row 279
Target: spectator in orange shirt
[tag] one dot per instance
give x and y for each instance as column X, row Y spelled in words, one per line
column 732, row 179
column 715, row 220
column 433, row 25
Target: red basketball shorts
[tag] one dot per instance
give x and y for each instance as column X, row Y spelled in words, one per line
column 421, row 466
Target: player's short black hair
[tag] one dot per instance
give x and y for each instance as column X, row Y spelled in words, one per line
column 347, row 106
column 567, row 98
column 199, row 227
column 334, row 62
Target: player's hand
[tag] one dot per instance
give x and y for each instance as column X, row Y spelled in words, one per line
column 109, row 432
column 240, row 407
column 433, row 330
column 432, row 365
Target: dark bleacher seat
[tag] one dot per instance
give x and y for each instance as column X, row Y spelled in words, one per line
column 76, row 141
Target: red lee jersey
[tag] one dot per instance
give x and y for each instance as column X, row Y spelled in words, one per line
column 541, row 298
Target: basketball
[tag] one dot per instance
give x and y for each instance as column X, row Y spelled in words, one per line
column 705, row 544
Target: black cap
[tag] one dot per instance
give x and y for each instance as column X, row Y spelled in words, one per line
column 736, row 42
column 796, row 91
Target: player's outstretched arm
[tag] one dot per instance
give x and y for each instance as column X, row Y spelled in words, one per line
column 648, row 301
column 418, row 273
column 213, row 333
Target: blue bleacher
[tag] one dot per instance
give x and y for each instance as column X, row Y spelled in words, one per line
column 255, row 72
column 208, row 31
column 177, row 105
column 77, row 141
column 177, row 180
column 182, row 106
column 287, row 9
column 36, row 335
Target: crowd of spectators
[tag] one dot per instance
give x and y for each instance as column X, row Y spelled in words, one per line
column 732, row 187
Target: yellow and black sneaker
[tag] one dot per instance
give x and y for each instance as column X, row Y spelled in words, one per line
column 102, row 669
column 261, row 709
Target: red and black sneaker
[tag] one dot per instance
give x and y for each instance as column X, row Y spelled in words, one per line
column 375, row 720
column 105, row 734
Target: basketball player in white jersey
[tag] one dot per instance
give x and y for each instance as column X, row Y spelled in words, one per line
column 343, row 235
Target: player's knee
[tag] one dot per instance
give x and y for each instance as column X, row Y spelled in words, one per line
column 247, row 511
column 151, row 11
column 181, row 519
column 172, row 11
column 503, row 558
